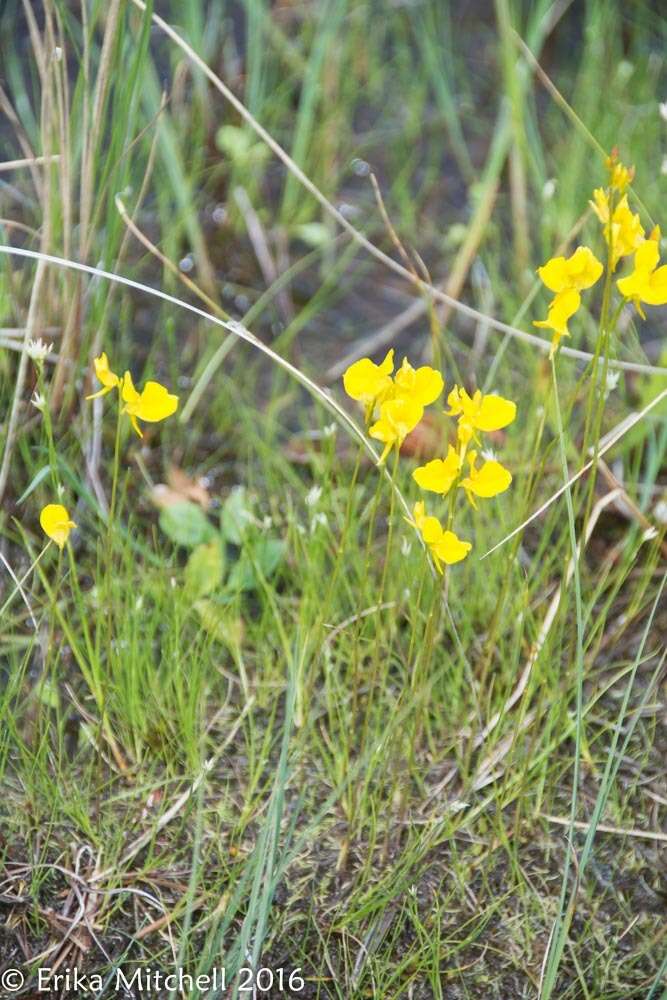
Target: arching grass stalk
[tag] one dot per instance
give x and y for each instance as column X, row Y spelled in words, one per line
column 560, row 931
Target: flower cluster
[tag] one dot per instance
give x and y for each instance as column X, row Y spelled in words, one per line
column 394, row 406
column 567, row 277
column 624, row 236
column 152, row 404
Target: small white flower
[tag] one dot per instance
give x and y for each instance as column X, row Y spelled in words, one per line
column 60, row 491
column 406, row 546
column 329, row 431
column 549, row 189
column 38, row 401
column 662, row 107
column 611, row 382
column 313, row 496
column 488, row 455
column 38, row 351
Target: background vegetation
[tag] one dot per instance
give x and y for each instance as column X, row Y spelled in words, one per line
column 289, row 752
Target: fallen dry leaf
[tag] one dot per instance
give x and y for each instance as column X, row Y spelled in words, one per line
column 189, row 488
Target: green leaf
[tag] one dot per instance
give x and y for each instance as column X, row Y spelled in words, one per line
column 267, row 554
column 186, row 524
column 204, row 569
column 235, row 516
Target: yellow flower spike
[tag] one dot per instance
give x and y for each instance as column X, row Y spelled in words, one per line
column 647, row 282
column 369, row 383
column 439, row 475
column 581, row 270
column 562, row 308
column 620, row 176
column 56, row 523
column 624, row 231
column 397, row 418
column 486, row 482
column 104, row 375
column 423, row 385
column 479, row 413
column 152, row 404
column 444, row 545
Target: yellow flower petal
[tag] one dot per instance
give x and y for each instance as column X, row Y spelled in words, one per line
column 423, row 385
column 647, row 282
column 367, row 382
column 443, row 545
column 155, row 403
column 488, row 481
column 450, row 549
column 104, row 375
column 397, row 418
column 494, row 413
column 579, row 271
column 481, row 413
column 562, row 308
column 128, row 392
column 440, row 474
column 56, row 523
column 152, row 404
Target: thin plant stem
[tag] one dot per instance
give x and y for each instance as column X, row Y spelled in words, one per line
column 559, row 936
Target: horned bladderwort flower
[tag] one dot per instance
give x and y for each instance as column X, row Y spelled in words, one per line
column 567, row 277
column 478, row 412
column 152, row 404
column 488, row 481
column 104, row 375
column 647, row 282
column 444, row 546
column 392, row 406
column 56, row 523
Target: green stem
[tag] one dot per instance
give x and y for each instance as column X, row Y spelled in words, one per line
column 559, row 937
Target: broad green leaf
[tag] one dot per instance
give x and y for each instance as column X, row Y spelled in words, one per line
column 235, row 516
column 204, row 569
column 266, row 555
column 186, row 524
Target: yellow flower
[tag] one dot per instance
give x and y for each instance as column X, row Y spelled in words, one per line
column 152, row 404
column 581, row 270
column 397, row 418
column 104, row 375
column 369, row 383
column 648, row 282
column 443, row 545
column 479, row 413
column 440, row 474
column 56, row 523
column 562, row 308
column 488, row 481
column 423, row 385
column 624, row 232
column 620, row 176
